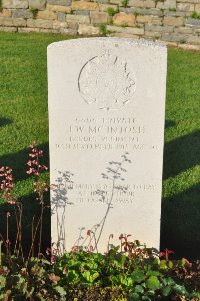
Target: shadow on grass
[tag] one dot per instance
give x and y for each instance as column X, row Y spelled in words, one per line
column 169, row 123
column 30, row 208
column 5, row 121
column 18, row 161
column 181, row 154
column 180, row 220
column 181, row 223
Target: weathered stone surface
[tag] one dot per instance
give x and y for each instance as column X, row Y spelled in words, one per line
column 61, row 17
column 4, row 21
column 59, row 8
column 5, row 13
column 116, row 2
column 153, row 34
column 22, row 13
column 18, row 22
column 185, row 30
column 136, row 3
column 185, row 7
column 104, row 7
column 78, row 19
column 46, row 15
column 60, row 2
column 126, row 30
column 158, row 28
column 135, row 31
column 194, row 40
column 73, row 25
column 168, row 4
column 100, row 1
column 98, row 110
column 171, row 44
column 192, row 22
column 98, row 17
column 149, row 4
column 113, row 29
column 57, row 25
column 144, row 19
column 15, row 3
column 124, row 19
column 128, row 10
column 88, row 29
column 28, row 29
column 142, row 4
column 189, row 47
column 37, row 4
column 197, row 8
column 156, row 20
column 175, row 14
column 45, row 30
column 84, row 5
column 68, row 31
column 82, row 12
column 40, row 23
column 190, row 1
column 151, row 11
column 173, row 21
column 175, row 37
column 8, row 29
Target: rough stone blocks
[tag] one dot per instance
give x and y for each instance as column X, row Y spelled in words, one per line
column 124, row 19
column 59, row 2
column 98, row 17
column 40, row 23
column 173, row 21
column 88, row 29
column 84, row 5
column 15, row 3
column 37, row 4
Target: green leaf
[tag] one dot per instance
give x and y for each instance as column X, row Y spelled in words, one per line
column 139, row 289
column 166, row 290
column 163, row 265
column 138, row 276
column 153, row 283
column 2, row 282
column 179, row 289
column 146, row 298
column 170, row 264
column 170, row 281
column 153, row 273
column 133, row 297
column 122, row 259
column 60, row 290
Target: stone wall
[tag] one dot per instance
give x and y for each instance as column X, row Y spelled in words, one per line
column 177, row 22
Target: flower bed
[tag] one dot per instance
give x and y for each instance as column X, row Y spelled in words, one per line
column 130, row 271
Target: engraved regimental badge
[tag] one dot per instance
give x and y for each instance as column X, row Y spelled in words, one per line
column 106, row 82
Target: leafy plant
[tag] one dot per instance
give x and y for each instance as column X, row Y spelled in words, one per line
column 125, row 3
column 111, row 11
column 34, row 12
column 1, row 7
column 195, row 15
column 103, row 29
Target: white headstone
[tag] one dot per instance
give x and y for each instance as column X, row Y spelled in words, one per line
column 106, row 114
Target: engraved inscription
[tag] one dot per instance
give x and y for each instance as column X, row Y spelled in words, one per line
column 106, row 82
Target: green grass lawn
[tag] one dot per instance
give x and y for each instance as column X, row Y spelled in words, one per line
column 24, row 118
